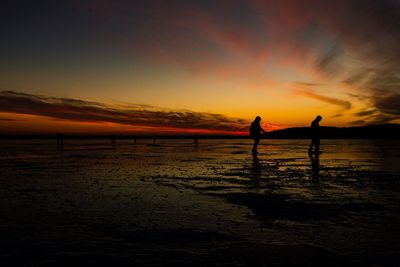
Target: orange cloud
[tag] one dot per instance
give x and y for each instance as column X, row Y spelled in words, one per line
column 139, row 116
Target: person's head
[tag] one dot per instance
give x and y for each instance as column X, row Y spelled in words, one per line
column 257, row 119
column 318, row 118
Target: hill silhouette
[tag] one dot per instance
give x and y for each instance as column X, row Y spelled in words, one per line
column 383, row 131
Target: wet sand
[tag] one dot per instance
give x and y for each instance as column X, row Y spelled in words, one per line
column 216, row 204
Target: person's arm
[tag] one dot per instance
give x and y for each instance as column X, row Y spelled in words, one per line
column 262, row 130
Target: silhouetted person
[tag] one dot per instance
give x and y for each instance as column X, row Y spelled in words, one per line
column 60, row 141
column 113, row 140
column 315, row 135
column 255, row 132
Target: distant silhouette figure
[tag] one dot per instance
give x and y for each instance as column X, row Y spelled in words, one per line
column 315, row 135
column 113, row 140
column 60, row 142
column 255, row 132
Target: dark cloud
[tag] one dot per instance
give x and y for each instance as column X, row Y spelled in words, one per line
column 385, row 79
column 381, row 119
column 135, row 115
column 387, row 109
column 384, row 87
column 389, row 104
column 365, row 113
column 372, row 31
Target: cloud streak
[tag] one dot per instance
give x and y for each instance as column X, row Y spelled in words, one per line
column 330, row 100
column 389, row 104
column 132, row 115
column 306, row 89
column 365, row 113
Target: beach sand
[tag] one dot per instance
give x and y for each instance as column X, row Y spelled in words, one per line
column 212, row 205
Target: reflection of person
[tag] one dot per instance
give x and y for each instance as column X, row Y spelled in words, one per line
column 256, row 171
column 315, row 135
column 314, row 165
column 255, row 133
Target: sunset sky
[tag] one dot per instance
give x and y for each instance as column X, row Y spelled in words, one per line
column 90, row 66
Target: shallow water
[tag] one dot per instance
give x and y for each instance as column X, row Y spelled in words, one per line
column 214, row 204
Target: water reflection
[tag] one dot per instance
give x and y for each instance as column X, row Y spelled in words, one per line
column 256, row 171
column 314, row 160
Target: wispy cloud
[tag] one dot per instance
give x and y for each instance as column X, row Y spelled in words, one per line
column 365, row 113
column 381, row 119
column 133, row 115
column 326, row 99
column 306, row 89
column 388, row 103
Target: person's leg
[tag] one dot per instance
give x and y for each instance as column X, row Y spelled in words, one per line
column 256, row 141
column 311, row 146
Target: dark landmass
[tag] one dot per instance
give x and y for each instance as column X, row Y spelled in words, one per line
column 384, row 131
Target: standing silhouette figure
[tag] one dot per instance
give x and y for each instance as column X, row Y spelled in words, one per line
column 255, row 133
column 315, row 135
